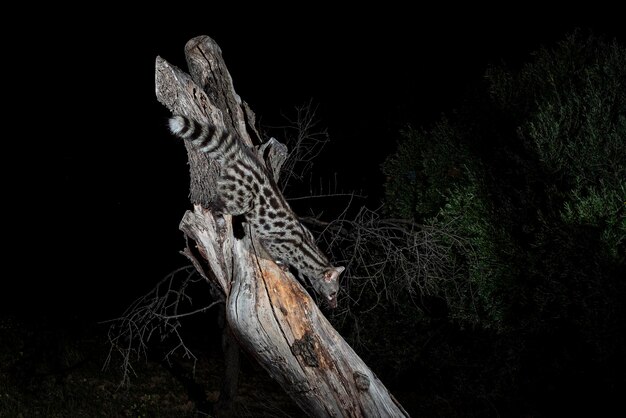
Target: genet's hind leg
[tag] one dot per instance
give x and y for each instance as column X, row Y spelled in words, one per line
column 217, row 206
column 235, row 197
column 239, row 206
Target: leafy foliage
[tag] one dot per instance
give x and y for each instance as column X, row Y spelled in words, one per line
column 425, row 166
column 575, row 124
column 531, row 173
column 538, row 155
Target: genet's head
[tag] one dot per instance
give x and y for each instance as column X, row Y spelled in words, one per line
column 329, row 285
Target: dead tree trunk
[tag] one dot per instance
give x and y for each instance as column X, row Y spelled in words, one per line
column 270, row 313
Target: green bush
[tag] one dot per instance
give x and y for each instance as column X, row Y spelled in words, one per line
column 424, row 167
column 530, row 171
column 525, row 184
column 571, row 107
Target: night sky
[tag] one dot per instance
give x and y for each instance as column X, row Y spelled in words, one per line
column 97, row 186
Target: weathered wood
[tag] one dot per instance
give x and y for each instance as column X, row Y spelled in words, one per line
column 270, row 313
column 274, row 154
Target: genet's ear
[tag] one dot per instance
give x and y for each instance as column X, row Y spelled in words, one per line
column 333, row 273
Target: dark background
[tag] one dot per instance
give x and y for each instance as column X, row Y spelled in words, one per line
column 96, row 185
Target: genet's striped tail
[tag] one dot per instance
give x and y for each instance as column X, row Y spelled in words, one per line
column 204, row 136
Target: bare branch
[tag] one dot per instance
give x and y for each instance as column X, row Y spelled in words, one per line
column 305, row 140
column 388, row 259
column 156, row 314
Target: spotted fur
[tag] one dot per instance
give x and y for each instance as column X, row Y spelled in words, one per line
column 245, row 187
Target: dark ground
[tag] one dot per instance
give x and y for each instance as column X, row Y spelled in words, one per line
column 53, row 369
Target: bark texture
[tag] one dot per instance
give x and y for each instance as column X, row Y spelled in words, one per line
column 269, row 312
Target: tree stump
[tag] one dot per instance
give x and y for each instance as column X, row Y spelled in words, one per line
column 269, row 312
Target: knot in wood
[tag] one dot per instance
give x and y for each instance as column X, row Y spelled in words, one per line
column 305, row 349
column 362, row 381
